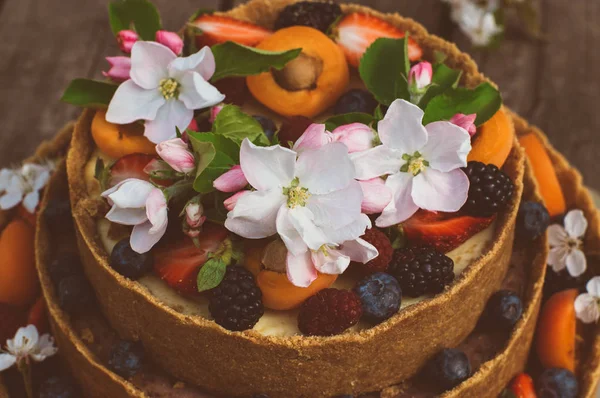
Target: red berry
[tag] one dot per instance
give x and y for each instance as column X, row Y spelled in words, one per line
column 383, row 245
column 329, row 312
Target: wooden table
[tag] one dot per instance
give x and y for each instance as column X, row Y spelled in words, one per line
column 553, row 82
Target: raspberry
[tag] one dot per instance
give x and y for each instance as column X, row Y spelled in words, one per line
column 383, row 245
column 490, row 189
column 329, row 312
column 422, row 270
column 307, row 13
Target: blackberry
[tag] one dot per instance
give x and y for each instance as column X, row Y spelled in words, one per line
column 129, row 263
column 236, row 304
column 490, row 189
column 355, row 100
column 329, row 312
column 307, row 13
column 532, row 220
column 448, row 368
column 555, row 383
column 126, row 358
column 421, row 270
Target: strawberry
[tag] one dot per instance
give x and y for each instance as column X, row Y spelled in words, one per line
column 219, row 29
column 522, row 386
column 37, row 316
column 11, row 320
column 178, row 263
column 443, row 231
column 130, row 166
column 357, row 31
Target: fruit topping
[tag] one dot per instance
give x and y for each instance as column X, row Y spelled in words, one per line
column 448, row 368
column 555, row 337
column 380, row 296
column 443, row 231
column 219, row 29
column 18, row 278
column 557, row 383
column 355, row 100
column 126, row 358
column 383, row 245
column 494, row 140
column 318, row 15
column 58, row 387
column 236, row 304
column 74, row 294
column 116, row 140
column 292, row 128
column 544, row 173
column 503, row 310
column 178, row 263
column 129, row 263
column 357, row 31
column 329, row 312
column 532, row 220
column 12, row 319
column 130, row 166
column 234, row 89
column 522, row 386
column 37, row 316
column 490, row 189
column 267, row 124
column 307, row 85
column 421, row 270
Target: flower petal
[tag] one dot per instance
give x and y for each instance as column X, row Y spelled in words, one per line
column 586, row 308
column 255, row 213
column 130, row 194
column 131, row 102
column 576, row 224
column 557, row 258
column 231, row 201
column 402, row 206
column 45, row 348
column 156, row 210
column 127, row 216
column 26, row 339
column 150, row 63
column 202, row 62
column 376, row 195
column 437, row 191
column 314, row 137
column 7, row 361
column 142, row 240
column 593, row 286
column 447, row 147
column 359, row 250
column 172, row 115
column 197, row 93
column 303, row 221
column 300, row 269
column 31, row 201
column 326, row 169
column 376, row 162
column 557, row 235
column 267, row 167
column 576, row 263
column 338, row 208
column 10, row 200
column 357, row 137
column 290, row 237
column 402, row 128
column 330, row 261
column 232, row 180
column 348, row 232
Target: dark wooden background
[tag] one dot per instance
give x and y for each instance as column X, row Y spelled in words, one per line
column 554, row 81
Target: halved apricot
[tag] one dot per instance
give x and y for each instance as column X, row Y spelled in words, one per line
column 544, row 173
column 494, row 140
column 18, row 278
column 280, row 294
column 307, row 85
column 555, row 339
column 117, row 140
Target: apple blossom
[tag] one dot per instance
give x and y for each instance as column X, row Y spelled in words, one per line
column 356, row 136
column 422, row 163
column 232, row 180
column 126, row 40
column 376, row 195
column 231, row 201
column 194, row 213
column 177, row 155
column 27, row 344
column 587, row 305
column 566, row 244
column 120, row 67
column 23, row 185
column 467, row 122
column 164, row 90
column 476, row 21
column 171, row 40
column 419, row 76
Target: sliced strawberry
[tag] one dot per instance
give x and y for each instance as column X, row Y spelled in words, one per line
column 522, row 386
column 218, row 29
column 11, row 319
column 443, row 231
column 130, row 166
column 37, row 316
column 178, row 263
column 357, row 31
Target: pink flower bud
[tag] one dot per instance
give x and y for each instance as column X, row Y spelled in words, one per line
column 376, row 195
column 314, row 137
column 120, row 67
column 193, row 125
column 156, row 211
column 126, row 40
column 177, row 154
column 230, row 202
column 194, row 214
column 420, row 75
column 214, row 111
column 356, row 136
column 171, row 40
column 231, row 181
column 467, row 122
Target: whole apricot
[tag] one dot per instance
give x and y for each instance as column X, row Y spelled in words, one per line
column 18, row 278
column 117, row 140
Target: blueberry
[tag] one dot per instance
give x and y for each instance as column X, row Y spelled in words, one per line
column 129, row 263
column 448, row 368
column 557, row 383
column 532, row 220
column 74, row 294
column 380, row 295
column 355, row 100
column 503, row 310
column 57, row 387
column 126, row 358
column 65, row 264
column 267, row 124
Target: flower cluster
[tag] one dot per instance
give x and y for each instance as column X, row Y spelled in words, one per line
column 566, row 244
column 25, row 346
column 23, row 185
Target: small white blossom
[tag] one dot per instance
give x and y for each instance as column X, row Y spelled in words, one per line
column 587, row 305
column 566, row 244
column 23, row 185
column 27, row 344
column 476, row 21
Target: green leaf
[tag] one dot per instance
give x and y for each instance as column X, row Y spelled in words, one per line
column 216, row 154
column 233, row 123
column 234, row 59
column 443, row 78
column 141, row 14
column 347, row 118
column 89, row 93
column 384, row 70
column 211, row 274
column 484, row 100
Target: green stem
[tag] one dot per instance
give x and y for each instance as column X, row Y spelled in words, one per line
column 25, row 370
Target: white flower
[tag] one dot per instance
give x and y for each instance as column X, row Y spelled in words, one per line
column 27, row 344
column 164, row 90
column 139, row 203
column 23, row 185
column 587, row 305
column 477, row 22
column 566, row 244
column 422, row 163
column 310, row 199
